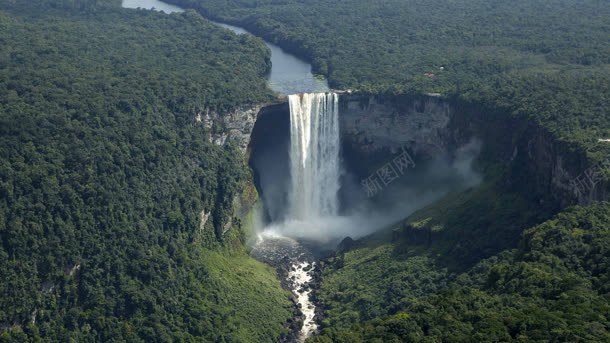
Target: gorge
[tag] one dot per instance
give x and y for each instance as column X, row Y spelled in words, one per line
column 310, row 154
column 314, row 166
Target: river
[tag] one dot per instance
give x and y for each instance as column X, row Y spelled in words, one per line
column 289, row 74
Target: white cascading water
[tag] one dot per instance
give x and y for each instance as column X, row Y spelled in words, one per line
column 312, row 198
column 315, row 171
column 314, row 155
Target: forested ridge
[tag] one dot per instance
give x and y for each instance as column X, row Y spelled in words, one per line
column 104, row 175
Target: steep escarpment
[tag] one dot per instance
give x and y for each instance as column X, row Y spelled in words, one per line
column 430, row 125
column 517, row 155
column 373, row 123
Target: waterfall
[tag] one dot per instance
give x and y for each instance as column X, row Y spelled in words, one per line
column 314, row 155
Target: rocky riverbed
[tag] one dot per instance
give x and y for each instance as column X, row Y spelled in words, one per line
column 300, row 273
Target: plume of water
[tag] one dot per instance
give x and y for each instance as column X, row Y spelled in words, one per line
column 314, row 155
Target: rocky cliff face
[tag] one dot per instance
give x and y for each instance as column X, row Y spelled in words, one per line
column 428, row 126
column 237, row 127
column 560, row 169
column 420, row 124
column 234, row 126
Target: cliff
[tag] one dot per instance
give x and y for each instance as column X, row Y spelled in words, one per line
column 430, row 125
column 374, row 123
column 532, row 160
column 238, row 127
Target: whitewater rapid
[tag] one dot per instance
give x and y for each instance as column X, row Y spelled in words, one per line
column 297, row 268
column 301, row 275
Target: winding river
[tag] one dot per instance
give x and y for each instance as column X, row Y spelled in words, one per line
column 296, row 265
column 289, row 74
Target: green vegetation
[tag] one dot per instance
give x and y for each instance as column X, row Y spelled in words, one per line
column 385, row 282
column 104, row 175
column 382, row 43
column 476, row 224
column 553, row 287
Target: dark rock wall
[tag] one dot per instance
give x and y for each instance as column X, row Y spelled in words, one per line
column 428, row 125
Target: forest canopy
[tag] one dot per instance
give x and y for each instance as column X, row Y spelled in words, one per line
column 114, row 203
column 105, row 178
column 552, row 287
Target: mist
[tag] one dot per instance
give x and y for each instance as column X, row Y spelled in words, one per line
column 430, row 180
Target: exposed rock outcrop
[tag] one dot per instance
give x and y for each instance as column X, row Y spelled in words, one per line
column 374, row 123
column 203, row 219
column 234, row 126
